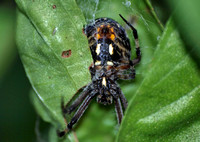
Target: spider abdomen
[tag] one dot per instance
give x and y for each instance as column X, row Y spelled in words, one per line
column 108, row 42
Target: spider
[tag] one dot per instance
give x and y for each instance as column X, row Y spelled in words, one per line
column 111, row 51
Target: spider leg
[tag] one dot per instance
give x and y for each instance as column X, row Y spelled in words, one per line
column 77, row 102
column 116, row 92
column 123, row 74
column 138, row 52
column 118, row 109
column 78, row 113
column 119, row 98
column 126, row 76
column 123, row 100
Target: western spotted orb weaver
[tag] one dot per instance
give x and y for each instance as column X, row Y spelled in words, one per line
column 111, row 52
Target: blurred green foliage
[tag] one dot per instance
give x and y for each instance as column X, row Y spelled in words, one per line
column 186, row 17
column 7, row 44
column 17, row 117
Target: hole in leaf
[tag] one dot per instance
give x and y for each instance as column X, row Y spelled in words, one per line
column 66, row 54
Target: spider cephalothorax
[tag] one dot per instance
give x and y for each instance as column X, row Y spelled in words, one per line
column 110, row 49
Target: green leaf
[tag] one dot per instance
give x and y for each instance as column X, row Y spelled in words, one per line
column 48, row 29
column 45, row 114
column 166, row 106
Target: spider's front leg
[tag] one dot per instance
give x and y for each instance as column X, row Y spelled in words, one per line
column 118, row 109
column 81, row 110
column 77, row 102
column 118, row 106
column 88, row 97
column 118, row 99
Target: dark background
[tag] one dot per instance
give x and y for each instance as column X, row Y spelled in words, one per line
column 17, row 116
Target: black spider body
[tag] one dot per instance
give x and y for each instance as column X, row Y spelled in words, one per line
column 110, row 49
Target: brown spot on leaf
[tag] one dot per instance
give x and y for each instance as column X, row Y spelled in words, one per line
column 54, row 6
column 66, row 54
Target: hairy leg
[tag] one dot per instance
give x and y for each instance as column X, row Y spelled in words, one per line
column 77, row 102
column 123, row 99
column 138, row 52
column 78, row 113
column 118, row 109
column 126, row 74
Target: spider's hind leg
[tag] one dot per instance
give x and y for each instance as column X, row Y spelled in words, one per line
column 138, row 52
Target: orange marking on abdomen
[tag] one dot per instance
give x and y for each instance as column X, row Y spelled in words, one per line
column 112, row 30
column 112, row 36
column 98, row 36
column 109, row 34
